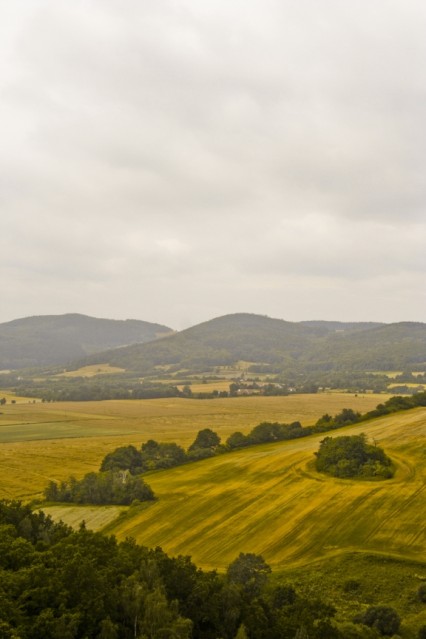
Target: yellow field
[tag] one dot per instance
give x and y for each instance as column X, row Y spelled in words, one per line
column 209, row 387
column 98, row 516
column 39, row 442
column 11, row 397
column 269, row 500
column 92, row 370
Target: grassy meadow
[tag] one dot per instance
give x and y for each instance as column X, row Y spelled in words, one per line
column 44, row 441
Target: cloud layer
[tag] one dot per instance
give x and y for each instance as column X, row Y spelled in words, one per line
column 176, row 160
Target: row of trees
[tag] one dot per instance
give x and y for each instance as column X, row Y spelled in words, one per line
column 60, row 584
column 154, row 455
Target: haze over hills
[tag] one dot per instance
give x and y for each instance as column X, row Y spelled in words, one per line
column 276, row 344
column 56, row 339
column 283, row 345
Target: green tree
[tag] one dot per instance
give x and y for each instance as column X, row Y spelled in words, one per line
column 250, row 572
column 206, row 438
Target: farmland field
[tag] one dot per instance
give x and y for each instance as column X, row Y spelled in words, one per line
column 269, row 500
column 41, row 441
column 266, row 499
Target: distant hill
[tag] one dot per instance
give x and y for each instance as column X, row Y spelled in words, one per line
column 57, row 339
column 300, row 347
column 332, row 327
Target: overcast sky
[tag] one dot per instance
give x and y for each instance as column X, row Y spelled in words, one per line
column 175, row 161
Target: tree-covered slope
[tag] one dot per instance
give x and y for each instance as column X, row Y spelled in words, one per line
column 220, row 342
column 388, row 347
column 57, row 339
column 299, row 347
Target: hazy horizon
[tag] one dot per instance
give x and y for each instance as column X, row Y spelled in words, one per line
column 175, row 161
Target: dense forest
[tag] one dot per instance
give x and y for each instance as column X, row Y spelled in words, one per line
column 59, row 584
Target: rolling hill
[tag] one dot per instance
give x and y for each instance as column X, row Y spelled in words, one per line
column 268, row 499
column 299, row 347
column 56, row 339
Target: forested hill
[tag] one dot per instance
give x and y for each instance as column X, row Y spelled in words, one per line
column 281, row 345
column 57, row 339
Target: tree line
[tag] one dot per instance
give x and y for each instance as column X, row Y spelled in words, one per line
column 154, row 455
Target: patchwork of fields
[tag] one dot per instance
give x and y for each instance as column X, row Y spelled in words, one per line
column 265, row 499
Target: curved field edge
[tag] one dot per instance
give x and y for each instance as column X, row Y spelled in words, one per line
column 268, row 500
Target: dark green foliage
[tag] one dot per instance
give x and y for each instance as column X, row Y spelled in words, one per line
column 98, row 388
column 280, row 346
column 155, row 456
column 351, row 456
column 283, row 596
column 237, row 440
column 383, row 618
column 83, row 585
column 267, row 432
column 421, row 593
column 59, row 339
column 206, row 438
column 351, row 585
column 108, row 487
column 249, row 571
column 422, row 633
column 123, row 458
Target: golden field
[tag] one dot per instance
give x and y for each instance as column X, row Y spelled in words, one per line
column 39, row 442
column 265, row 499
column 269, row 500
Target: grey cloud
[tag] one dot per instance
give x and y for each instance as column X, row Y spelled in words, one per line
column 234, row 149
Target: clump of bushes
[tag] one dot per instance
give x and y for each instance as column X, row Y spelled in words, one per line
column 352, row 456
